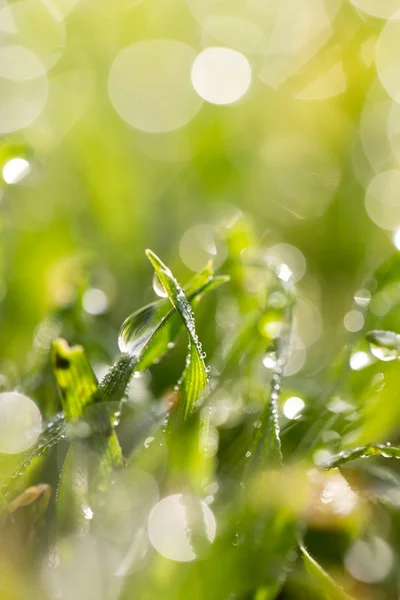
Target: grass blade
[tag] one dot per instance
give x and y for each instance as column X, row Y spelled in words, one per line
column 328, row 588
column 78, row 386
column 266, row 448
column 82, row 479
column 54, row 431
column 149, row 333
column 75, row 378
column 194, row 379
column 345, row 456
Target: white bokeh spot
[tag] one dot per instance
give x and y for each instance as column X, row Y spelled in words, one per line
column 170, row 528
column 221, row 75
column 149, row 85
column 20, row 422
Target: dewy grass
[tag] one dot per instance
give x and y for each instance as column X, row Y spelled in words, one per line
column 203, row 494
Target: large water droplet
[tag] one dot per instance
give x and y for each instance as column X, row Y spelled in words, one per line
column 158, row 287
column 138, row 328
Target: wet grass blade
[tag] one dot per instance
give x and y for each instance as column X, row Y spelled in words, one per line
column 150, row 332
column 81, row 479
column 266, row 449
column 194, row 380
column 75, row 378
column 362, row 452
column 327, row 587
column 78, row 386
column 53, row 432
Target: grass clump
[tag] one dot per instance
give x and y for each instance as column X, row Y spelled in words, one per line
column 206, row 488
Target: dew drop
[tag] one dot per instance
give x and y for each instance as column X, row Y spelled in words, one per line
column 148, row 441
column 382, row 353
column 137, row 329
column 88, row 513
column 384, row 345
column 158, row 287
column 237, row 540
column 270, row 360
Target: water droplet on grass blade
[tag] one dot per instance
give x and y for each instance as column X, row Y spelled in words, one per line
column 158, row 287
column 137, row 329
column 148, row 441
column 88, row 513
column 384, row 345
column 382, row 353
column 270, row 360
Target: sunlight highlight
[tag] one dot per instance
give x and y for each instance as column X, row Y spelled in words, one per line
column 221, row 75
column 15, row 170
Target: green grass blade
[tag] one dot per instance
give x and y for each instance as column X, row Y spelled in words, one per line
column 328, row 588
column 54, row 431
column 78, row 385
column 363, row 452
column 266, row 449
column 194, row 379
column 81, row 480
column 150, row 332
column 75, row 378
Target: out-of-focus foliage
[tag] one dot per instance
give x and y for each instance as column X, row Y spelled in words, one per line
column 262, row 136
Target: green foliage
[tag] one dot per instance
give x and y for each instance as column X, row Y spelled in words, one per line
column 193, row 382
column 261, row 487
column 327, row 588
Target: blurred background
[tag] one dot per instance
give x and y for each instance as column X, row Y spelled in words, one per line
column 202, row 128
column 148, row 123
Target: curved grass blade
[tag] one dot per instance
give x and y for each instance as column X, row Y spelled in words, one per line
column 81, row 479
column 75, row 378
column 54, row 431
column 194, row 380
column 78, row 386
column 362, row 452
column 150, row 332
column 328, row 588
